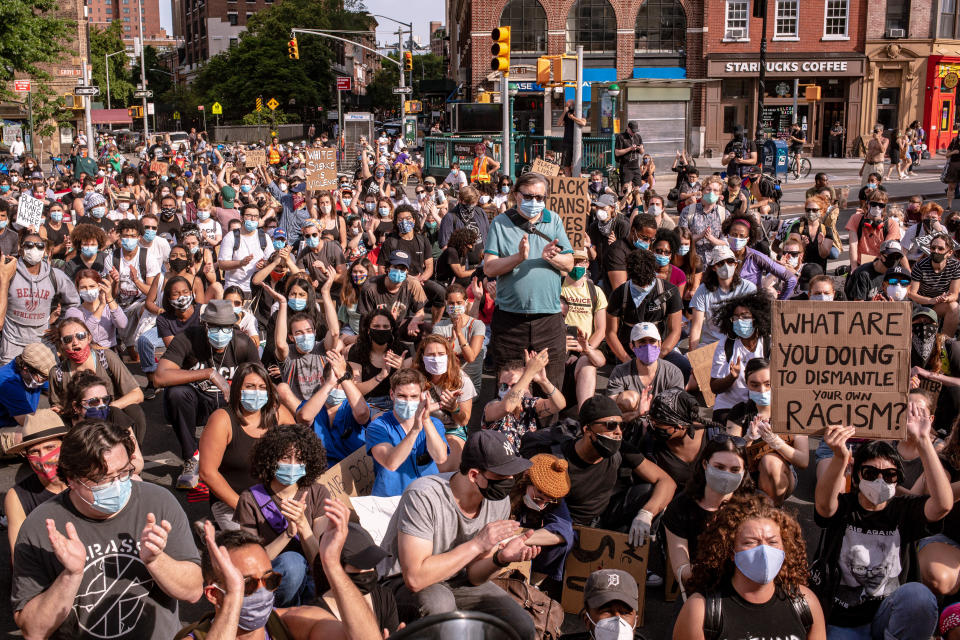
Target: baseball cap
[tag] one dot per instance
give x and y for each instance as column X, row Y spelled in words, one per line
column 400, row 257
column 609, row 585
column 279, row 233
column 429, row 180
column 897, row 270
column 359, row 549
column 925, row 312
column 597, row 408
column 719, row 254
column 644, row 330
column 606, row 200
column 38, row 357
column 491, row 451
column 890, row 247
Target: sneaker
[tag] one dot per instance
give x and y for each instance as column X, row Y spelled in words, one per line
column 190, row 476
column 149, row 392
column 200, row 493
column 653, row 580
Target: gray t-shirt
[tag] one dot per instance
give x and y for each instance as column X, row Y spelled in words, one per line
column 445, row 328
column 624, row 377
column 118, row 598
column 707, row 301
column 428, row 510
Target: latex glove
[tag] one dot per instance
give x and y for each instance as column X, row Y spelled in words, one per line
column 640, row 528
column 772, row 439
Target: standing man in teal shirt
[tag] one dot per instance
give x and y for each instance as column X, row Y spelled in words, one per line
column 528, row 252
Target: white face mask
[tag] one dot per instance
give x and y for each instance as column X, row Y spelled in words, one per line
column 877, row 491
column 435, row 365
column 615, row 628
column 725, row 271
column 655, row 209
column 530, row 502
column 326, row 209
column 33, row 256
column 603, row 215
column 896, row 292
column 823, row 297
column 793, row 261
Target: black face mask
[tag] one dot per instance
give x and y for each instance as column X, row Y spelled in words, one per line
column 659, row 434
column 167, row 214
column 924, row 339
column 497, row 489
column 953, row 224
column 381, row 336
column 605, row 446
column 364, row 581
column 179, row 264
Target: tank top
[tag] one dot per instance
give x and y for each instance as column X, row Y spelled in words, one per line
column 744, row 620
column 369, row 370
column 235, row 465
column 56, row 237
column 812, row 251
column 31, row 493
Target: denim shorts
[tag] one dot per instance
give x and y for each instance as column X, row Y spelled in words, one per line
column 937, row 538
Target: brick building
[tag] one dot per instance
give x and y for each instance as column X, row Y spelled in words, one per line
column 106, row 11
column 209, row 27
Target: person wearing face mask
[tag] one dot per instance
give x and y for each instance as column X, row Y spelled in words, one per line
column 704, row 218
column 740, row 154
column 446, row 538
column 466, row 215
column 605, row 227
column 32, row 295
column 821, row 287
column 101, row 506
column 749, row 579
column 98, row 308
column 646, row 373
column 407, row 442
column 9, row 239
column 56, row 231
column 935, row 357
column 243, row 250
column 451, row 390
column 746, row 323
column 408, row 238
column 743, row 235
column 210, row 229
column 337, row 410
column 284, row 506
column 124, row 208
column 896, row 284
column 818, row 242
column 610, row 606
column 87, row 398
column 869, row 229
column 936, row 281
column 930, row 223
column 296, row 202
column 403, row 296
column 868, row 282
column 873, row 529
column 22, row 380
column 95, row 211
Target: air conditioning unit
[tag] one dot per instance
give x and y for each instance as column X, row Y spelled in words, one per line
column 896, row 33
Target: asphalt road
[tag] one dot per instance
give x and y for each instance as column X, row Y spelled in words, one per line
column 162, row 465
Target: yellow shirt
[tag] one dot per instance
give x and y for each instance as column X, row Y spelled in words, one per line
column 578, row 300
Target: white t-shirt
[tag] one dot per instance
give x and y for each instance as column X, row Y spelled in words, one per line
column 210, row 229
column 456, row 178
column 129, row 290
column 249, row 246
column 159, row 249
column 721, row 369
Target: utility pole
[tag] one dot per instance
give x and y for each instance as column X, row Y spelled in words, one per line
column 762, row 77
column 403, row 96
column 578, row 111
column 87, row 111
column 505, row 163
column 143, row 74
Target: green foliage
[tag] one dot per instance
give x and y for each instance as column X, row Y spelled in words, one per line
column 102, row 42
column 157, row 81
column 380, row 89
column 270, row 118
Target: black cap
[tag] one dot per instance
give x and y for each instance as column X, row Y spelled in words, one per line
column 359, row 549
column 808, row 272
column 597, row 408
column 491, row 451
column 609, row 585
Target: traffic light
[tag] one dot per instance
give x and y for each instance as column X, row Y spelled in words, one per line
column 407, row 61
column 500, row 49
column 543, row 71
column 293, row 49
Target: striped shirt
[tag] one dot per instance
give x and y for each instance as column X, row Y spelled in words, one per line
column 933, row 284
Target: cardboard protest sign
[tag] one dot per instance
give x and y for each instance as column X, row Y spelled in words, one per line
column 701, row 360
column 840, row 363
column 352, row 476
column 255, row 158
column 375, row 513
column 29, row 212
column 601, row 549
column 159, row 168
column 321, row 169
column 569, row 199
column 546, row 168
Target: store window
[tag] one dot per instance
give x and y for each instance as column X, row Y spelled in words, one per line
column 729, row 118
column 948, row 19
column 592, row 24
column 835, row 18
column 787, row 22
column 898, row 18
column 661, row 26
column 528, row 25
column 735, row 88
column 737, row 20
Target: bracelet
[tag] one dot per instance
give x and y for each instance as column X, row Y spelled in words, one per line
column 496, row 559
column 346, row 376
column 554, row 390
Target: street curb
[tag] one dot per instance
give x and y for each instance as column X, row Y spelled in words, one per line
column 798, row 208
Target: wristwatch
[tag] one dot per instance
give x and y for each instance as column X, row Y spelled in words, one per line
column 496, row 559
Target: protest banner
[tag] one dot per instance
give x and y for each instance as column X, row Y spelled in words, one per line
column 601, row 549
column 29, row 212
column 840, row 363
column 352, row 476
column 321, row 169
column 701, row 360
column 374, row 513
column 546, row 168
column 255, row 158
column 159, row 168
column 569, row 199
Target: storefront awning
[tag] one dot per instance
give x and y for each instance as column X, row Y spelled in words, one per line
column 110, row 116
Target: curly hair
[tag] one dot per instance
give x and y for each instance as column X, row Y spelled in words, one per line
column 747, row 220
column 460, row 238
column 644, row 221
column 930, row 206
column 712, row 179
column 822, row 203
column 84, row 232
column 669, row 236
column 282, row 440
column 450, row 380
column 80, row 381
column 698, row 479
column 167, row 286
column 714, row 563
column 641, row 267
column 760, row 307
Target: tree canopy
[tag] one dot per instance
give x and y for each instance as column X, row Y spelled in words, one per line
column 103, row 42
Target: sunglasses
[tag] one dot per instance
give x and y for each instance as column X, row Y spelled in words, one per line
column 146, row 228
column 34, row 245
column 900, row 281
column 729, row 261
column 812, row 210
column 270, row 580
column 792, row 254
column 723, row 437
column 90, row 403
column 538, row 198
column 870, row 473
column 79, row 336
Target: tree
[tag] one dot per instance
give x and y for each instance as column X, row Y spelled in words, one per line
column 31, row 35
column 103, row 42
column 158, row 80
column 380, row 89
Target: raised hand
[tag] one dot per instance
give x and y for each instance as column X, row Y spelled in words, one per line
column 646, row 399
column 295, row 513
column 735, row 368
column 836, row 437
column 537, row 362
column 918, row 421
column 153, row 539
column 68, row 549
column 394, row 361
column 338, row 365
column 449, row 400
column 333, row 537
column 495, row 532
column 477, row 288
column 276, row 295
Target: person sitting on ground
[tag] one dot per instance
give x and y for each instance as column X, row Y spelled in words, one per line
column 720, row 283
column 675, row 436
column 22, row 381
column 337, row 410
column 747, row 323
column 867, row 281
column 645, row 374
column 869, row 230
column 936, row 282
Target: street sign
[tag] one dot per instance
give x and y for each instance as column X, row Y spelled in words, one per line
column 403, row 90
column 176, row 115
column 21, row 85
column 151, row 108
column 273, row 104
column 344, row 83
column 143, row 93
column 86, row 91
column 259, row 104
column 199, row 107
column 216, row 109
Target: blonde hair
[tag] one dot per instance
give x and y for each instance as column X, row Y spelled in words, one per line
column 204, row 202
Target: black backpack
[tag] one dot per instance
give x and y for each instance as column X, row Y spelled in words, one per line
column 713, row 614
column 552, row 438
column 261, row 234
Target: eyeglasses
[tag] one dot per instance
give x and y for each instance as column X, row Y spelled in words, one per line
column 663, row 252
column 123, row 475
column 91, row 403
column 900, row 281
column 539, row 497
column 526, row 196
column 34, row 245
column 79, row 336
column 812, row 210
column 723, row 437
column 870, row 473
column 420, row 193
column 792, row 254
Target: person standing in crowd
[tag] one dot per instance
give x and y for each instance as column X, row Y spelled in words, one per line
column 836, row 140
column 628, row 148
column 739, row 154
column 568, row 120
column 705, row 217
column 877, row 149
column 528, row 252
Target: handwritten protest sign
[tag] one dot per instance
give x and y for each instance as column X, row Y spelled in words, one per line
column 701, row 360
column 29, row 212
column 569, row 199
column 840, row 363
column 352, row 476
column 546, row 168
column 159, row 168
column 321, row 169
column 256, row 157
column 601, row 549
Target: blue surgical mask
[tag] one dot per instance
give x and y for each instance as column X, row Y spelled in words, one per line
column 406, row 226
column 253, row 399
column 760, row 564
column 384, row 212
column 250, row 225
column 336, row 397
column 760, row 398
column 220, row 338
column 398, row 275
column 684, row 249
column 662, row 261
column 313, row 243
column 97, row 413
column 149, row 234
column 128, row 244
column 88, row 252
column 203, row 214
column 4, row 188
column 111, row 498
column 641, row 244
column 297, row 304
column 279, row 244
column 531, row 208
column 3, row 224
column 56, row 216
column 288, row 474
column 246, row 188
column 743, row 328
column 639, row 293
column 505, row 189
column 194, row 248
column 405, row 409
column 737, row 243
column 305, row 342
column 256, row 610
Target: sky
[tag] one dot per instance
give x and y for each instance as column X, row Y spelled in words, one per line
column 419, row 12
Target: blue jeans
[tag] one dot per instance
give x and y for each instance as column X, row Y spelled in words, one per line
column 297, row 585
column 909, row 613
column 146, row 345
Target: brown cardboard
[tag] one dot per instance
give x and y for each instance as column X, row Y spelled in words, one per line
column 701, row 360
column 601, row 549
column 570, row 200
column 842, row 363
column 352, row 476
column 256, row 157
column 321, row 169
column 160, row 168
column 546, row 168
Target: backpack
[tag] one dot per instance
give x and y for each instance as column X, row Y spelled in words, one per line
column 552, row 438
column 769, row 188
column 141, row 259
column 713, row 614
column 261, row 234
column 546, row 612
column 728, row 347
column 660, row 298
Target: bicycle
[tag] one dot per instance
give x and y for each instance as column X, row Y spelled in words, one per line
column 801, row 169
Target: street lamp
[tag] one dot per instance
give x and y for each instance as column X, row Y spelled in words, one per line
column 106, row 64
column 512, row 92
column 613, row 91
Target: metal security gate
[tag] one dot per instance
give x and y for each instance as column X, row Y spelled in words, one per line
column 663, row 126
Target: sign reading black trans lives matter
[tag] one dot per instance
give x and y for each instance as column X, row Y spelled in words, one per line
column 840, row 363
